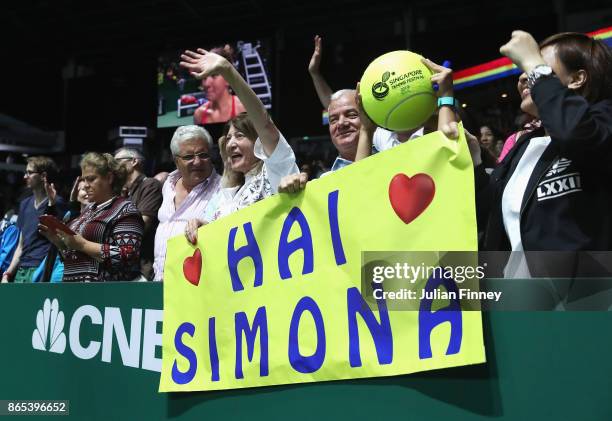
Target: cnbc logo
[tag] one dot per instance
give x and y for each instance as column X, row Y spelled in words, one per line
column 138, row 340
column 48, row 334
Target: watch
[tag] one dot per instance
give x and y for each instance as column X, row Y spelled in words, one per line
column 540, row 71
column 447, row 100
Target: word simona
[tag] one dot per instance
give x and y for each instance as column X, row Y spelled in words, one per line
column 248, row 328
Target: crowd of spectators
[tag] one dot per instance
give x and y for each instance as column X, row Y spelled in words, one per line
column 116, row 221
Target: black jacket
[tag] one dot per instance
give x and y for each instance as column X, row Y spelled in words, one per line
column 568, row 201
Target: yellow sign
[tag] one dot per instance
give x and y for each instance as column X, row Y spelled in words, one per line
column 272, row 294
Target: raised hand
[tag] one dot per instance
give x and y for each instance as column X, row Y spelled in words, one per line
column 366, row 123
column 474, row 146
column 202, row 63
column 52, row 236
column 74, row 193
column 523, row 50
column 443, row 76
column 72, row 242
column 315, row 60
column 50, row 190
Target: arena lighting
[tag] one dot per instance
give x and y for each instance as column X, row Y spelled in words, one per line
column 503, row 67
column 464, row 105
column 504, row 95
column 130, row 136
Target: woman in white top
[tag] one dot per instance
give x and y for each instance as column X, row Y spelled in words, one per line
column 255, row 154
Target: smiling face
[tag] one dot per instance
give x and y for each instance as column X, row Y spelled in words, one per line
column 550, row 57
column 527, row 104
column 344, row 125
column 99, row 188
column 240, row 151
column 194, row 169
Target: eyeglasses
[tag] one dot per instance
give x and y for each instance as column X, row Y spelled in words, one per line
column 191, row 157
column 128, row 158
column 29, row 173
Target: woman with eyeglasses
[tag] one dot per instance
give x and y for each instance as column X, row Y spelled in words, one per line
column 108, row 232
column 255, row 154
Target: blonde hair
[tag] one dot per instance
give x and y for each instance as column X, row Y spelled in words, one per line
column 103, row 164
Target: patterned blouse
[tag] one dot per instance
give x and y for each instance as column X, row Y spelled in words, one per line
column 118, row 226
column 260, row 182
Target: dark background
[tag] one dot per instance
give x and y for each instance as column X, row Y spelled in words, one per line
column 87, row 67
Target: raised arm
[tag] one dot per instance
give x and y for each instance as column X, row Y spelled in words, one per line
column 203, row 63
column 447, row 118
column 581, row 129
column 324, row 91
column 366, row 132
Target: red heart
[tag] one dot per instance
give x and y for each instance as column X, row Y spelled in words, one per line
column 192, row 267
column 409, row 197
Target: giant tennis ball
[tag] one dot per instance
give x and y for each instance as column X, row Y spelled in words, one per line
column 396, row 91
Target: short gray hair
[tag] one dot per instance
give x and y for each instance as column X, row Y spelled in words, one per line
column 131, row 153
column 336, row 95
column 184, row 133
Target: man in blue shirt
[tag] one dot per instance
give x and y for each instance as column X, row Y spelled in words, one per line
column 33, row 247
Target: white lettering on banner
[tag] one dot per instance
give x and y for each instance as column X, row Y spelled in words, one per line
column 151, row 340
column 113, row 322
column 112, row 326
column 80, row 351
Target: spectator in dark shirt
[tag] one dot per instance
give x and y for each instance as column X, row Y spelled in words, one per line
column 32, row 247
column 145, row 193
